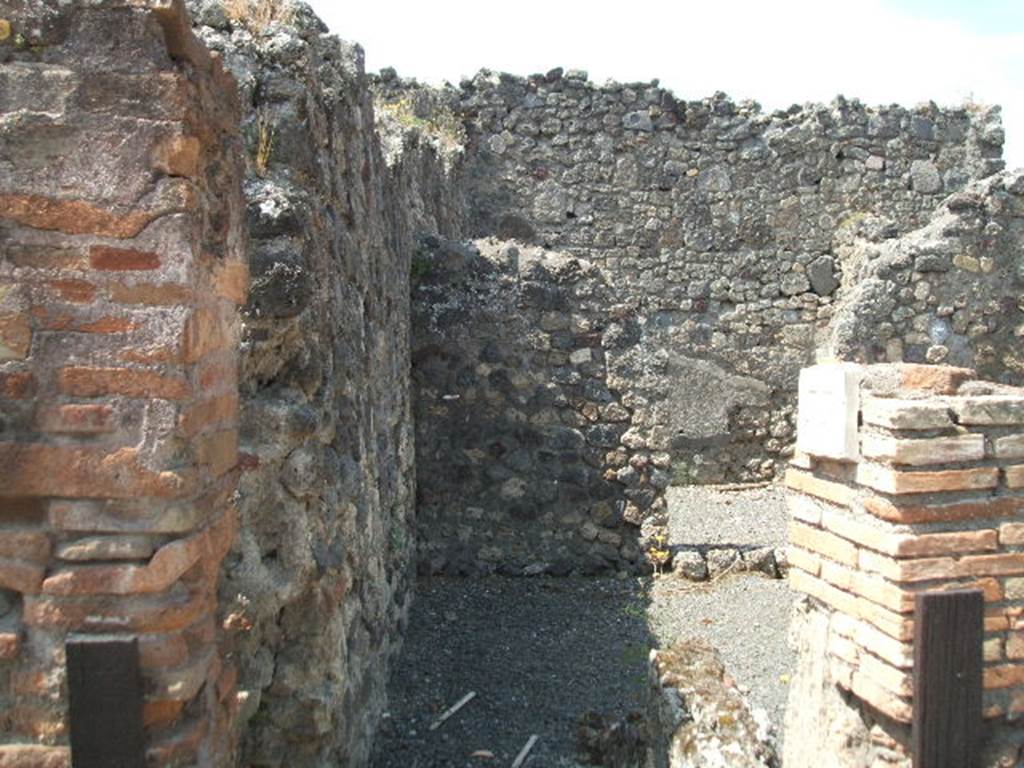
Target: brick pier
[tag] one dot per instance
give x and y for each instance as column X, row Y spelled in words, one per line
column 909, row 478
column 123, row 261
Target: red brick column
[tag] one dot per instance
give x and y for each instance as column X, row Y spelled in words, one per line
column 909, row 478
column 121, row 234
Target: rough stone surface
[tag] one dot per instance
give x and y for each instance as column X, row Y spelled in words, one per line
column 515, row 418
column 120, row 203
column 714, row 225
column 712, row 236
column 645, row 276
column 697, row 718
column 316, row 590
column 947, row 293
column 690, row 565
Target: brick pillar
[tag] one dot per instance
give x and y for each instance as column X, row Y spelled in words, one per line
column 122, row 262
column 908, row 478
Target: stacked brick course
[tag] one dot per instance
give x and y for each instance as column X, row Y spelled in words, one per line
column 122, row 262
column 925, row 494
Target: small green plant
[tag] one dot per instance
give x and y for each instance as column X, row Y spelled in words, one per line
column 441, row 124
column 264, row 143
column 635, row 655
column 420, row 268
column 852, row 220
column 19, row 41
column 659, row 553
column 635, row 610
column 683, row 474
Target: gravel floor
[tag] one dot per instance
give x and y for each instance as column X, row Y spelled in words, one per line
column 752, row 516
column 541, row 651
column 538, row 652
column 746, row 617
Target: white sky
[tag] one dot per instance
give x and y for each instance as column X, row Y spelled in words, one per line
column 778, row 52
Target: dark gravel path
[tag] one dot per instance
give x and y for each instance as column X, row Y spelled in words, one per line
column 539, row 652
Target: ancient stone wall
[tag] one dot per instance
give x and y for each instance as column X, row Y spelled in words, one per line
column 514, row 416
column 317, row 589
column 720, row 234
column 715, row 224
column 122, row 260
column 949, row 292
column 908, row 479
column 648, row 278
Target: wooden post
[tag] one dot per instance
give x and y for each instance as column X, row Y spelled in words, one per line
column 105, row 702
column 948, row 631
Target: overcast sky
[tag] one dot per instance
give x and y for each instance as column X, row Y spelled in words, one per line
column 778, row 52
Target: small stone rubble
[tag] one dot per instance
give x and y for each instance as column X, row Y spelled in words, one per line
column 715, row 531
column 695, row 718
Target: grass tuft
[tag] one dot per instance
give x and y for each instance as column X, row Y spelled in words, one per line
column 439, row 123
column 264, row 143
column 259, row 15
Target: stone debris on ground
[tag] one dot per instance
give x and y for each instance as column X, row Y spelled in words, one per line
column 717, row 530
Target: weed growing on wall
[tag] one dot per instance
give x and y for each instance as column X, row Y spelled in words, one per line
column 258, row 15
column 261, row 139
column 420, row 268
column 440, row 124
column 683, row 474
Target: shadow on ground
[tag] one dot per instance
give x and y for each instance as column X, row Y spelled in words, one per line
column 539, row 652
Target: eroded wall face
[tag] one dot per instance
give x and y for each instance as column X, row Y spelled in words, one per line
column 316, row 592
column 947, row 293
column 122, row 261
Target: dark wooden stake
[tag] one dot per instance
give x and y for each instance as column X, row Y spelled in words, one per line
column 948, row 631
column 105, row 703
